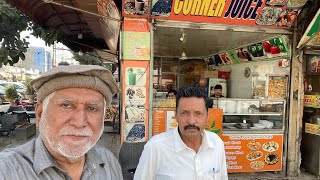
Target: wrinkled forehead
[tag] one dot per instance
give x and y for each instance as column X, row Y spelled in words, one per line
column 78, row 95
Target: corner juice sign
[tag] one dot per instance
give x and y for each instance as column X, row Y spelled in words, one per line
column 242, row 9
column 241, row 12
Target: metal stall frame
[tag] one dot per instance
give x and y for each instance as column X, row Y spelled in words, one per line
column 236, row 28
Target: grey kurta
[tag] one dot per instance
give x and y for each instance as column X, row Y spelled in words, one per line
column 33, row 161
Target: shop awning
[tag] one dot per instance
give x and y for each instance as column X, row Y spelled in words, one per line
column 83, row 19
column 202, row 39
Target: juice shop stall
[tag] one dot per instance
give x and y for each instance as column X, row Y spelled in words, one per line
column 244, row 46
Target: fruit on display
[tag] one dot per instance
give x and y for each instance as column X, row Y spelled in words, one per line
column 275, row 50
column 267, row 46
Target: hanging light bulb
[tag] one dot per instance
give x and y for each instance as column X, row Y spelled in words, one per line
column 183, row 56
column 80, row 36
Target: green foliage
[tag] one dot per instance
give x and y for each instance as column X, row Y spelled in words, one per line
column 11, row 92
column 48, row 35
column 12, row 23
column 88, row 58
column 29, row 88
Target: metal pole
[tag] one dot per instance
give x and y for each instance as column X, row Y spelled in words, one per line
column 150, row 83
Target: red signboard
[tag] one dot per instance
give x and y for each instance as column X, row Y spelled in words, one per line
column 234, row 12
column 136, row 25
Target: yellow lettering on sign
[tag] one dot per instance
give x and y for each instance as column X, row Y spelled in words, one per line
column 178, row 5
column 187, row 7
column 196, row 7
column 220, row 7
column 208, row 8
column 204, row 7
column 211, row 9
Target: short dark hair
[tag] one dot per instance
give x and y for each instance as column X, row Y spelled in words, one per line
column 192, row 91
column 218, row 86
column 172, row 90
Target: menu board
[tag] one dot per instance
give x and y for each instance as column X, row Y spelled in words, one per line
column 312, row 129
column 135, row 101
column 136, row 45
column 253, row 152
column 159, row 121
column 134, row 80
column 312, row 101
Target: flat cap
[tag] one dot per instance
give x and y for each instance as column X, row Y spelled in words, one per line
column 77, row 76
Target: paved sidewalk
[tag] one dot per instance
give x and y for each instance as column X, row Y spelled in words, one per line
column 113, row 144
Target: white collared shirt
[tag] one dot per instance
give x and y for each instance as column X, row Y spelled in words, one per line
column 167, row 157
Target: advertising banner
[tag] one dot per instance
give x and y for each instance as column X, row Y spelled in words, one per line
column 158, row 122
column 253, row 152
column 135, row 101
column 135, row 8
column 313, row 64
column 110, row 28
column 271, row 49
column 235, row 12
column 312, row 129
column 311, row 37
column 136, row 39
column 312, row 101
column 136, row 25
column 280, row 13
column 136, row 45
column 135, row 80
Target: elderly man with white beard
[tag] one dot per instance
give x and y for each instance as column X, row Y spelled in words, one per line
column 71, row 106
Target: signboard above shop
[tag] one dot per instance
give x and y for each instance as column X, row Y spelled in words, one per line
column 275, row 13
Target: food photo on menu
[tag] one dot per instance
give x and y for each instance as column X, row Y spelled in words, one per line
column 269, row 157
column 135, row 113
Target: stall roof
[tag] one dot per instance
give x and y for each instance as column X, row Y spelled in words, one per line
column 203, row 40
column 69, row 21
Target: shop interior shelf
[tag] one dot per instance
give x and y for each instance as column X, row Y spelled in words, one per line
column 255, row 114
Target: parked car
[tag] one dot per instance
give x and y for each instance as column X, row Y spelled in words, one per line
column 19, row 87
column 2, row 92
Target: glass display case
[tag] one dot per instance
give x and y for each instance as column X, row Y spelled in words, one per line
column 252, row 115
column 269, row 86
column 164, row 103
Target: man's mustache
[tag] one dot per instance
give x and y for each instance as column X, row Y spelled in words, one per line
column 191, row 127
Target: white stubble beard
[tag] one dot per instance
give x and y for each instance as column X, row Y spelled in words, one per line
column 61, row 147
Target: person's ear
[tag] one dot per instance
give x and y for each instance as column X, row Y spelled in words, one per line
column 38, row 112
